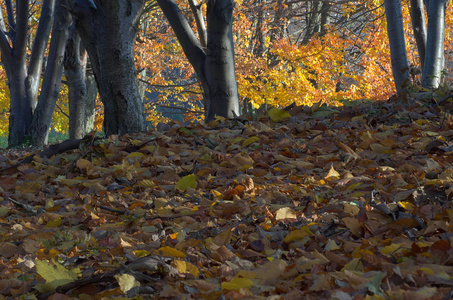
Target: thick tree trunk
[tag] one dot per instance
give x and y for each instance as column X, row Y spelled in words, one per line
column 20, row 106
column 221, row 87
column 434, row 57
column 395, row 29
column 42, row 117
column 77, row 90
column 108, row 33
column 419, row 28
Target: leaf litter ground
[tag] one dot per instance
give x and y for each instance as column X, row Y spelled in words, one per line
column 305, row 203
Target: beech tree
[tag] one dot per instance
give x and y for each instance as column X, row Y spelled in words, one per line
column 108, row 30
column 214, row 62
column 42, row 117
column 434, row 56
column 23, row 71
column 430, row 40
column 75, row 62
column 395, row 29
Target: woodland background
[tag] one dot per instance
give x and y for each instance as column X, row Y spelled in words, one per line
column 330, row 186
column 284, row 54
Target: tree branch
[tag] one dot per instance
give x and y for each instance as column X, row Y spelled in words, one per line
column 20, row 41
column 186, row 37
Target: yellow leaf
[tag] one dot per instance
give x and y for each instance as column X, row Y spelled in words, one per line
column 427, row 270
column 277, row 114
column 147, row 183
column 332, row 175
column 390, row 249
column 135, row 155
column 354, row 265
column 331, row 245
column 237, row 284
column 84, row 164
column 54, row 274
column 170, row 252
column 54, row 223
column 186, row 267
column 141, row 253
column 186, row 182
column 295, row 235
column 285, row 213
column 250, row 140
column 126, row 282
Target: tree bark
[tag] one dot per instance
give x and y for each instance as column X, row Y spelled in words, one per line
column 77, row 90
column 38, row 50
column 215, row 66
column 221, row 86
column 92, row 92
column 23, row 83
column 395, row 29
column 42, row 117
column 434, row 58
column 108, row 33
column 419, row 28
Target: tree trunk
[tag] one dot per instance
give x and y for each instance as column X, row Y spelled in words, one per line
column 419, row 28
column 92, row 92
column 221, row 87
column 77, row 90
column 23, row 83
column 395, row 29
column 20, row 106
column 42, row 118
column 434, row 58
column 108, row 32
column 38, row 50
column 313, row 20
column 215, row 67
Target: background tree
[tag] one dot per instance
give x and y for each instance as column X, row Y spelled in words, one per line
column 23, row 71
column 434, row 56
column 400, row 65
column 214, row 66
column 42, row 116
column 75, row 62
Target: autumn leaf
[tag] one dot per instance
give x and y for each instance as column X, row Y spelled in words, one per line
column 54, row 274
column 278, row 115
column 186, row 182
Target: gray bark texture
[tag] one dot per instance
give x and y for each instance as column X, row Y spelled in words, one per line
column 92, row 92
column 395, row 29
column 434, row 57
column 77, row 90
column 419, row 28
column 215, row 66
column 108, row 30
column 42, row 117
column 23, row 77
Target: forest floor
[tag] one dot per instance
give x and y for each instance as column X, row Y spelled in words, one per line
column 305, row 203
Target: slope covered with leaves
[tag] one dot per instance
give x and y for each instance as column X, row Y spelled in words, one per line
column 305, row 203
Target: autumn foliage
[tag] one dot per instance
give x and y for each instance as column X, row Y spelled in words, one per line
column 349, row 60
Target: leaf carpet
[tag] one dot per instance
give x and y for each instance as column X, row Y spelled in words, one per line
column 304, row 203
